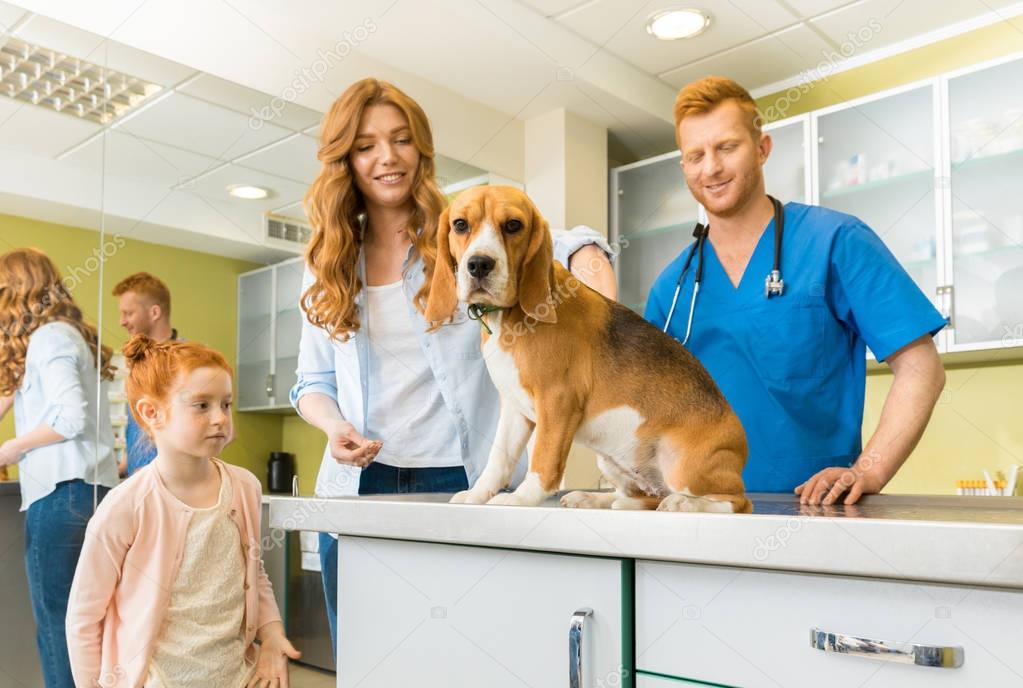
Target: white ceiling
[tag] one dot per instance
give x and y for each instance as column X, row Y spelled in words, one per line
column 480, row 69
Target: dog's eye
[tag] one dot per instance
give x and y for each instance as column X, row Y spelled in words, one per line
column 512, row 226
column 460, row 225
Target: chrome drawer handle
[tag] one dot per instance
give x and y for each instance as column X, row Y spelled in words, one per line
column 575, row 647
column 904, row 653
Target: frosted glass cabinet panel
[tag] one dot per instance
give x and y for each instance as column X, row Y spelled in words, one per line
column 986, row 123
column 876, row 161
column 655, row 219
column 785, row 169
column 288, row 328
column 255, row 330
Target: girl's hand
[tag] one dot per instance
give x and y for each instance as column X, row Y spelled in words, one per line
column 349, row 447
column 272, row 660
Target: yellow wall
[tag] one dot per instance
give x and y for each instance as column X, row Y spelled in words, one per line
column 194, row 280
column 306, row 443
column 977, row 424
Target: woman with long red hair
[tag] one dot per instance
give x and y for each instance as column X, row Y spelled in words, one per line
column 404, row 409
column 54, row 372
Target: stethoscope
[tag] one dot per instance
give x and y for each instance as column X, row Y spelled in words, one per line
column 774, row 285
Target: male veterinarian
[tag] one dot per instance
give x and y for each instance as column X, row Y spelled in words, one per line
column 783, row 328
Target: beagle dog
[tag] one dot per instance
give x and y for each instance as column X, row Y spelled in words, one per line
column 570, row 364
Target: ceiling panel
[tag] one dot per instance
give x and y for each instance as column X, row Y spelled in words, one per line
column 213, row 187
column 620, row 26
column 293, row 159
column 32, row 129
column 9, row 15
column 482, row 56
column 201, row 127
column 549, row 8
column 120, row 154
column 252, row 102
column 760, row 62
column 73, row 41
column 55, row 35
column 811, row 8
column 873, row 24
column 128, row 60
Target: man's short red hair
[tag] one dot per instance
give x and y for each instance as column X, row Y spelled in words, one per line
column 148, row 287
column 700, row 97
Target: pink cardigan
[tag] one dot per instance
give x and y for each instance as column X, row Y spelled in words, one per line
column 133, row 546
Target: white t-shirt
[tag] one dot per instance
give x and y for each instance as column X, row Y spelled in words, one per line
column 405, row 407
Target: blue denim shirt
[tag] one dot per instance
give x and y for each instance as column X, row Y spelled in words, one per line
column 339, row 370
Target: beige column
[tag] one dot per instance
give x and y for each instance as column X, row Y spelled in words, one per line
column 565, row 167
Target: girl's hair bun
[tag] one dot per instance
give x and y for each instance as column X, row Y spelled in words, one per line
column 137, row 348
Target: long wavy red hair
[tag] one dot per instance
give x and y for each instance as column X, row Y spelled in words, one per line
column 32, row 294
column 334, row 206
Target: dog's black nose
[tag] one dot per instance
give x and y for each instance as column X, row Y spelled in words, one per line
column 480, row 266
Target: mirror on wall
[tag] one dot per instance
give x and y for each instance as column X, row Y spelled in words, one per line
column 56, row 437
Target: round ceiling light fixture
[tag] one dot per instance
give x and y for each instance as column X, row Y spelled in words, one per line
column 248, row 192
column 673, row 24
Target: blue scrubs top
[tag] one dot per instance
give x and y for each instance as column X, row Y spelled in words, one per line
column 793, row 367
column 141, row 450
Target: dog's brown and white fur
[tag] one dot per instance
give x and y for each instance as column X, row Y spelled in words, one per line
column 572, row 365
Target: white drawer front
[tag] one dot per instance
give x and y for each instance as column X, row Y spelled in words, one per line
column 435, row 616
column 749, row 628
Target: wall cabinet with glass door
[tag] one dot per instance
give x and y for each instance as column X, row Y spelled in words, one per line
column 934, row 167
column 269, row 327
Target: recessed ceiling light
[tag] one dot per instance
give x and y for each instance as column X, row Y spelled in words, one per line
column 249, row 193
column 670, row 25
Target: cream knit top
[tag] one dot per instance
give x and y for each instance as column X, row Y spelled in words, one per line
column 201, row 642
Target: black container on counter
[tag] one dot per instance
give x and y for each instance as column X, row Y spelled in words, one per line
column 280, row 471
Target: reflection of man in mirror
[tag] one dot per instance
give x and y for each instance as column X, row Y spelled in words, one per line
column 145, row 306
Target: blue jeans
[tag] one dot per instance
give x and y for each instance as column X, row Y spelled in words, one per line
column 378, row 478
column 54, row 533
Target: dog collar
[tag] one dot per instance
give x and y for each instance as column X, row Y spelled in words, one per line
column 478, row 310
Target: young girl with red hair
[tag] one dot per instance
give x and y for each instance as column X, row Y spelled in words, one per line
column 170, row 588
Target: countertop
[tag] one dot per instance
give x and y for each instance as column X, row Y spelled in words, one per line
column 959, row 540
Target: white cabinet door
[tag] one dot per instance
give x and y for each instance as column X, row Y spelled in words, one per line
column 751, row 628
column 255, row 337
column 785, row 174
column 655, row 218
column 986, row 122
column 437, row 616
column 288, row 328
column 877, row 162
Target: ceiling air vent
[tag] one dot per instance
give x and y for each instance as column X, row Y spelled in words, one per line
column 288, row 233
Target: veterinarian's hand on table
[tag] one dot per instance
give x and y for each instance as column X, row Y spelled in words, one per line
column 825, row 487
column 349, row 447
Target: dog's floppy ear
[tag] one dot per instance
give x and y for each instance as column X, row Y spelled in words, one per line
column 443, row 299
column 536, row 272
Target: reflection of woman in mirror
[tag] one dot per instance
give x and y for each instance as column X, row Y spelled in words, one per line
column 403, row 410
column 64, row 442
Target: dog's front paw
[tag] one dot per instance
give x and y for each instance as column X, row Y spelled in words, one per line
column 473, row 496
column 515, row 498
column 587, row 500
